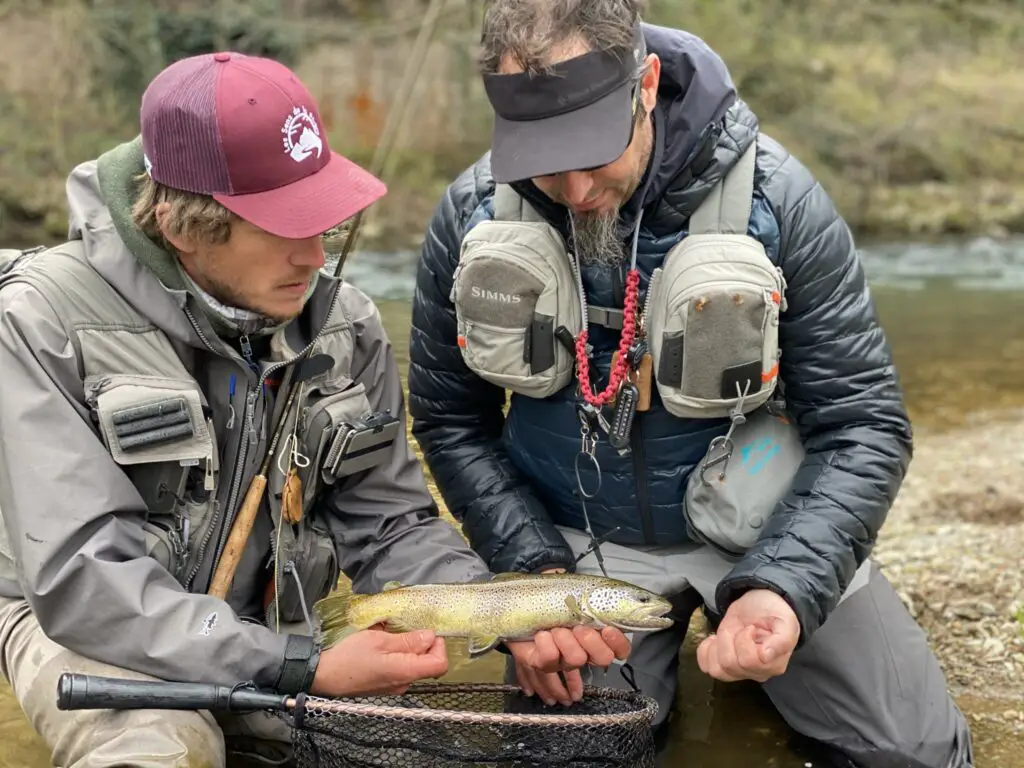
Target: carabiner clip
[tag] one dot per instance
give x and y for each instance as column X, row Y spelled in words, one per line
column 707, row 463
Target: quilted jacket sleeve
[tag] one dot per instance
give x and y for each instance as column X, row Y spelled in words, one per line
column 457, row 417
column 841, row 386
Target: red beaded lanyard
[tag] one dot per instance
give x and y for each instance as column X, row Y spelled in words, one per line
column 619, row 371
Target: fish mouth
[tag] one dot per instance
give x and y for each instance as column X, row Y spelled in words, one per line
column 655, row 617
column 646, row 623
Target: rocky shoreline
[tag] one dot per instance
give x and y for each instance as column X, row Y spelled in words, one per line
column 954, row 547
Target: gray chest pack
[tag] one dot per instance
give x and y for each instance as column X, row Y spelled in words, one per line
column 156, row 422
column 710, row 321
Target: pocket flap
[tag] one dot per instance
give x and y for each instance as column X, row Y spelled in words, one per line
column 332, row 425
column 151, row 419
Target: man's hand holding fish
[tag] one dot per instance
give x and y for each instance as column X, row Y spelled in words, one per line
column 553, row 624
column 540, row 660
column 398, row 661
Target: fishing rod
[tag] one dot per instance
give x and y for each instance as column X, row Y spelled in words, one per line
column 77, row 691
column 305, row 369
column 246, row 518
column 396, row 116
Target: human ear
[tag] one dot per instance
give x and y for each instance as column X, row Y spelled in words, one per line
column 649, row 81
column 183, row 245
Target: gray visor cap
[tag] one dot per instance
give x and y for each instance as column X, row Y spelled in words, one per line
column 578, row 116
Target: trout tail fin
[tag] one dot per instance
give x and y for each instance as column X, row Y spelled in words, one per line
column 338, row 615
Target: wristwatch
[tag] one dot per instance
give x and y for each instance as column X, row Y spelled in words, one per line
column 301, row 656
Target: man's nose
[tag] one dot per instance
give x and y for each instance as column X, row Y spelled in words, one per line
column 309, row 253
column 577, row 187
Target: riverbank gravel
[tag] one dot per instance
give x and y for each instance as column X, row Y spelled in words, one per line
column 954, row 548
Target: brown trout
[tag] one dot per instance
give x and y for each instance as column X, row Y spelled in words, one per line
column 511, row 606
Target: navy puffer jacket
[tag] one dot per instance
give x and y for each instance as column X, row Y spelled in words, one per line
column 511, row 480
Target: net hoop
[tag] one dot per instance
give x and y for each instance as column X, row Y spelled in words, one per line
column 645, row 708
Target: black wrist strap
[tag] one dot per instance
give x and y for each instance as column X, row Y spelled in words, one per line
column 301, row 656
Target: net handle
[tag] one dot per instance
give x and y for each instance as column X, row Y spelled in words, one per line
column 78, row 691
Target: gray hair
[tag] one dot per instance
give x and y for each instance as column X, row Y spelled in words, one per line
column 528, row 30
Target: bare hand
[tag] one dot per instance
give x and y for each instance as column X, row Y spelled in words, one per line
column 538, row 661
column 755, row 640
column 374, row 661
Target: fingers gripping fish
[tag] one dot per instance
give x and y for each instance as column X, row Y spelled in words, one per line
column 511, row 606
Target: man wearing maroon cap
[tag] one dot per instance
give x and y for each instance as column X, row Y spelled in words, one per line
column 149, row 363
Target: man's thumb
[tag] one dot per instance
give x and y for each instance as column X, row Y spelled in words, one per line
column 774, row 647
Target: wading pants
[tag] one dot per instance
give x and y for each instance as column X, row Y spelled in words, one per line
column 96, row 738
column 866, row 687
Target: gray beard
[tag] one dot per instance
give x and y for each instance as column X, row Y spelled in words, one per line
column 596, row 239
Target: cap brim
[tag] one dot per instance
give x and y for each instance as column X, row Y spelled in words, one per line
column 311, row 205
column 588, row 137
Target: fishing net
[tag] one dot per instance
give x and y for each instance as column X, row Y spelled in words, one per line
column 446, row 724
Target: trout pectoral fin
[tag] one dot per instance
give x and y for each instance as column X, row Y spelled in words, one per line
column 398, row 624
column 574, row 607
column 481, row 644
column 388, row 586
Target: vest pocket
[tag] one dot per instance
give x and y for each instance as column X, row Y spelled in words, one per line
column 713, row 326
column 731, row 495
column 164, row 544
column 149, row 419
column 517, row 307
column 326, row 438
column 156, row 431
column 307, row 569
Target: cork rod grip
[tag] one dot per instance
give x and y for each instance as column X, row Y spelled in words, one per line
column 240, row 530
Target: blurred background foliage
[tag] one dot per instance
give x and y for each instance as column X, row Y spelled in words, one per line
column 908, row 111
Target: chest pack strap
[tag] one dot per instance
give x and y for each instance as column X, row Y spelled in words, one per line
column 607, row 317
column 726, row 209
column 510, row 206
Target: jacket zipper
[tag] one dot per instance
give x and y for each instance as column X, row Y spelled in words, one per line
column 247, row 418
column 637, row 438
column 640, row 470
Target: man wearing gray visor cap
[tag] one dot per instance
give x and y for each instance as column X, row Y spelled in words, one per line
column 580, row 115
column 702, row 399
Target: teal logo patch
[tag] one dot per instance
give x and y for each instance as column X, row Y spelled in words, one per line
column 757, row 453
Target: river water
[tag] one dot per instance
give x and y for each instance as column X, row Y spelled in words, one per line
column 954, row 315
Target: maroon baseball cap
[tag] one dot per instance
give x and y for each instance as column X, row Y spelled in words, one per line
column 247, row 132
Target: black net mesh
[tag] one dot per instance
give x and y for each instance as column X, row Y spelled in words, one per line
column 441, row 725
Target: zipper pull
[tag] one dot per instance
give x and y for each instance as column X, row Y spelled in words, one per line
column 215, row 457
column 246, row 348
column 263, row 414
column 250, row 407
column 455, row 281
column 783, row 304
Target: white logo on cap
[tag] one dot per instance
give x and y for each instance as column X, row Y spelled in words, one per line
column 301, row 135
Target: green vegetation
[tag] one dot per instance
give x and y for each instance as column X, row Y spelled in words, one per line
column 906, row 111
